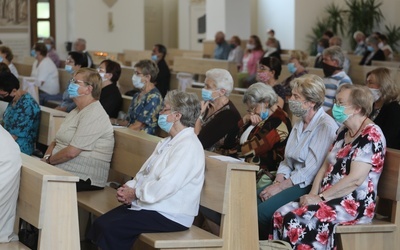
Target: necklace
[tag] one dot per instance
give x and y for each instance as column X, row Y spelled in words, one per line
column 352, row 136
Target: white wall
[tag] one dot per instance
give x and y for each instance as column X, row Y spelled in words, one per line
column 238, row 18
column 215, row 17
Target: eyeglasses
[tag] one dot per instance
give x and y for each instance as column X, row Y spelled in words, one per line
column 137, row 73
column 340, row 104
column 100, row 70
column 80, row 81
column 70, row 61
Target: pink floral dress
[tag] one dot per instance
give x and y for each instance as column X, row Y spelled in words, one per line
column 313, row 226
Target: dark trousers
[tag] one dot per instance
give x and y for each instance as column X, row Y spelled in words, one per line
column 119, row 228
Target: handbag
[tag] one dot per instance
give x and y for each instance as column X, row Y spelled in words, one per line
column 28, row 235
column 274, row 245
column 265, row 178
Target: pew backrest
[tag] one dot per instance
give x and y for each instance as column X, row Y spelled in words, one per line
column 50, row 122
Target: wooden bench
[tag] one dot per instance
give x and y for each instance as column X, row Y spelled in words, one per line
column 126, row 102
column 229, row 189
column 133, row 56
column 47, row 200
column 125, row 80
column 381, row 233
column 50, row 122
column 23, row 68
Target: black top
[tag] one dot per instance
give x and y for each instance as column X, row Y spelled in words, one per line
column 388, row 120
column 318, row 62
column 111, row 100
column 163, row 77
column 89, row 59
column 378, row 56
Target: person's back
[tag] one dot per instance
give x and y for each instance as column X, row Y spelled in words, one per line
column 10, row 166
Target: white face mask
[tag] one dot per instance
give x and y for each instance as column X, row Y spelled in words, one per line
column 380, row 45
column 376, row 93
column 103, row 76
column 250, row 46
column 137, row 82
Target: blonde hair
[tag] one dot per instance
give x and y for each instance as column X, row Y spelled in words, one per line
column 91, row 77
column 312, row 87
column 360, row 96
column 301, row 56
column 389, row 89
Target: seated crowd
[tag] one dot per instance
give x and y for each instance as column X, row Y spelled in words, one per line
column 300, row 177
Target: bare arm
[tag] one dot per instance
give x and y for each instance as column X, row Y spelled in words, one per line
column 137, row 126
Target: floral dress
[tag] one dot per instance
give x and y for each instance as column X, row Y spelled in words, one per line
column 145, row 110
column 313, row 226
column 22, row 120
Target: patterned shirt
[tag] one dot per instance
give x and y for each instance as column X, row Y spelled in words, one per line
column 145, row 110
column 22, row 120
column 332, row 83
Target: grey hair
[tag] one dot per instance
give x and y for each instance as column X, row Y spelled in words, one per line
column 81, row 40
column 335, row 53
column 259, row 93
column 222, row 79
column 373, row 40
column 336, row 40
column 312, row 87
column 187, row 104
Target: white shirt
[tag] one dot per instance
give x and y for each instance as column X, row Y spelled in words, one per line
column 236, row 55
column 13, row 70
column 47, row 73
column 171, row 180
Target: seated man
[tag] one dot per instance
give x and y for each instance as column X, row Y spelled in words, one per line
column 80, row 46
column 222, row 49
column 337, row 41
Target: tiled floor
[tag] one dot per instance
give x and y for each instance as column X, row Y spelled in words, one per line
column 87, row 245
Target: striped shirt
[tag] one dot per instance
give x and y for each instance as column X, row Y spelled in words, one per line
column 306, row 149
column 332, row 83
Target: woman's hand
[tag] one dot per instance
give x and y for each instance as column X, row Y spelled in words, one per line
column 270, row 191
column 252, row 118
column 204, row 105
column 126, row 194
column 309, row 199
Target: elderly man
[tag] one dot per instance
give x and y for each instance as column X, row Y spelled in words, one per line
column 271, row 34
column 80, row 46
column 360, row 49
column 337, row 41
column 332, row 65
column 222, row 50
column 51, row 51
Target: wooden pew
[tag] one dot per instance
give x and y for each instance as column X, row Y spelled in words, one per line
column 386, row 64
column 126, row 102
column 125, row 80
column 50, row 122
column 381, row 233
column 173, row 52
column 316, row 71
column 133, row 56
column 47, row 200
column 229, row 189
column 23, row 69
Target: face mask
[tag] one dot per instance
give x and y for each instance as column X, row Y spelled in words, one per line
column 206, row 95
column 69, row 69
column 232, row 46
column 292, row 69
column 33, row 53
column 8, row 98
column 73, row 90
column 48, row 46
column 103, row 76
column 320, row 49
column 370, row 48
column 269, row 48
column 154, row 57
column 338, row 113
column 376, row 93
column 380, row 45
column 1, row 59
column 137, row 82
column 329, row 69
column 263, row 77
column 264, row 115
column 297, row 108
column 250, row 46
column 164, row 124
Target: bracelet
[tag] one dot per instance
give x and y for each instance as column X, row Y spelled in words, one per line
column 322, row 197
column 47, row 158
column 274, row 182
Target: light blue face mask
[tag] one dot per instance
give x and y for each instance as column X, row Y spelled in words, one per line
column 33, row 53
column 48, row 46
column 264, row 114
column 320, row 49
column 1, row 59
column 69, row 69
column 154, row 57
column 370, row 48
column 73, row 90
column 137, row 82
column 207, row 95
column 292, row 69
column 164, row 124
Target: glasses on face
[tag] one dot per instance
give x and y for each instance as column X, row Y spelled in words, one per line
column 100, row 70
column 80, row 81
column 339, row 103
column 68, row 61
column 137, row 73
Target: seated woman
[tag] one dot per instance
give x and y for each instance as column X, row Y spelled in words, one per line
column 110, row 97
column 385, row 47
column 264, row 131
column 373, row 52
column 217, row 125
column 298, row 62
column 146, row 104
column 386, row 107
column 344, row 190
column 322, row 45
column 254, row 52
column 22, row 115
column 305, row 150
column 75, row 61
column 152, row 201
column 46, row 74
column 268, row 72
column 7, row 56
column 85, row 141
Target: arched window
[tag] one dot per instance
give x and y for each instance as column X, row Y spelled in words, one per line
column 42, row 20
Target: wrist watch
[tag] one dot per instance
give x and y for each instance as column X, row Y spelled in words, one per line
column 47, row 157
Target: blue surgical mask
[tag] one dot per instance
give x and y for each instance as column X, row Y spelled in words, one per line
column 206, row 95
column 73, row 90
column 1, row 59
column 264, row 114
column 154, row 57
column 48, row 46
column 338, row 113
column 164, row 124
column 33, row 53
column 370, row 48
column 292, row 69
column 137, row 82
column 69, row 69
column 320, row 49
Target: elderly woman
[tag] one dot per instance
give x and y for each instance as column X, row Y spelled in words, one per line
column 110, row 97
column 146, row 104
column 373, row 52
column 172, row 174
column 254, row 52
column 272, row 48
column 264, row 131
column 268, row 72
column 22, row 115
column 304, row 153
column 298, row 61
column 344, row 190
column 7, row 56
column 217, row 123
column 386, row 107
column 85, row 141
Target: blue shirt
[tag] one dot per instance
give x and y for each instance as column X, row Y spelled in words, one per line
column 222, row 50
column 67, row 102
column 22, row 120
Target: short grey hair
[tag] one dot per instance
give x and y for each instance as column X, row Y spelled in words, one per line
column 259, row 93
column 335, row 53
column 222, row 79
column 358, row 33
column 187, row 104
column 373, row 40
column 312, row 87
